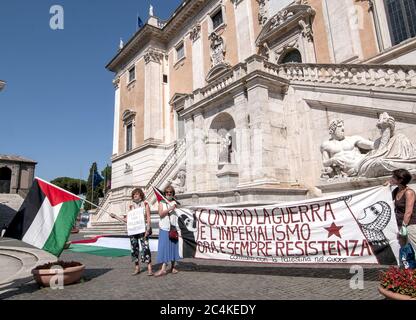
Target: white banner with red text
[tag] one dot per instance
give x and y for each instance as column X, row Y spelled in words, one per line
column 358, row 227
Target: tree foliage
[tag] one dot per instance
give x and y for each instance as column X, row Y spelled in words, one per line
column 75, row 186
column 94, row 192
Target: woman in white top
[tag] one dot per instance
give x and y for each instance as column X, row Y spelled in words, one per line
column 168, row 250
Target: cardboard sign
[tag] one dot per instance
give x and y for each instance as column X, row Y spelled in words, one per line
column 135, row 222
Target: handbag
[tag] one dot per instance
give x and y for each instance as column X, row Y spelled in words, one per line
column 150, row 231
column 173, row 233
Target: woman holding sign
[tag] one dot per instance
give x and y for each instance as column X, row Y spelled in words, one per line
column 139, row 229
column 168, row 250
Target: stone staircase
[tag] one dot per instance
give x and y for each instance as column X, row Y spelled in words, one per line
column 9, row 204
column 165, row 171
column 13, row 201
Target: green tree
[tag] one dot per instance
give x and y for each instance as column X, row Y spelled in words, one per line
column 106, row 183
column 97, row 192
column 75, row 186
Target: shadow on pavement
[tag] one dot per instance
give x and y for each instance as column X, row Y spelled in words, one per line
column 332, row 273
column 90, row 274
column 17, row 288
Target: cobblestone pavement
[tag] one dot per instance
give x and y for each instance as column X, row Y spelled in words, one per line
column 111, row 279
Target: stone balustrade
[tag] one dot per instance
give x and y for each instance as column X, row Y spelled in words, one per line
column 379, row 76
column 401, row 77
column 166, row 166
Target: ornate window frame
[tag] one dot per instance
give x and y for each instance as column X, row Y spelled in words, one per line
column 129, row 119
column 181, row 43
column 288, row 29
column 130, row 81
column 212, row 13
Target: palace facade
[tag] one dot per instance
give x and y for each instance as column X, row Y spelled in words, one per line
column 230, row 100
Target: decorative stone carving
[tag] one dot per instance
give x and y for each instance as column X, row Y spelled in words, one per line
column 306, row 30
column 151, row 13
column 391, row 151
column 128, row 168
column 341, row 154
column 179, row 180
column 279, row 19
column 262, row 11
column 264, row 50
column 128, row 117
column 153, row 55
column 116, row 83
column 195, row 32
column 217, row 49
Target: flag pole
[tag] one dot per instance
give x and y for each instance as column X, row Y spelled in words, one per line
column 84, row 199
column 92, row 186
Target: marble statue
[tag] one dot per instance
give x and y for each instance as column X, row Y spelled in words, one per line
column 226, row 146
column 341, row 154
column 151, row 11
column 391, row 151
column 217, row 49
column 179, row 181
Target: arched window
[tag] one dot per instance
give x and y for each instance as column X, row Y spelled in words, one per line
column 5, row 178
column 291, row 56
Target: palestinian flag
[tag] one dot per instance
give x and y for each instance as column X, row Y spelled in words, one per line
column 46, row 217
column 107, row 246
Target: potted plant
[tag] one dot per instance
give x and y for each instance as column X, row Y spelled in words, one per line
column 71, row 272
column 398, row 284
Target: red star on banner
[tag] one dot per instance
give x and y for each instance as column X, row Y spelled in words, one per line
column 334, row 230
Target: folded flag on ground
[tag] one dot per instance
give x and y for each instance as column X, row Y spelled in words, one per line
column 46, row 217
column 107, row 246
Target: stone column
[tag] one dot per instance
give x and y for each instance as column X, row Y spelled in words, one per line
column 153, row 104
column 116, row 129
column 190, row 172
column 268, row 145
column 200, row 158
column 197, row 58
column 243, row 127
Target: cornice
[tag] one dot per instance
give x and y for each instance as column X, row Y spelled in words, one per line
column 163, row 33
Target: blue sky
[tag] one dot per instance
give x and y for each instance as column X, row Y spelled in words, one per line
column 57, row 107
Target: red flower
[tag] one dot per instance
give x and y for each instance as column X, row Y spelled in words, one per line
column 399, row 280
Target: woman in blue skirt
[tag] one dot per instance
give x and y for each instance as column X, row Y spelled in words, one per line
column 168, row 250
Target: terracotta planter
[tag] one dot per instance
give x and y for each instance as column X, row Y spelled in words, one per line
column 71, row 275
column 393, row 295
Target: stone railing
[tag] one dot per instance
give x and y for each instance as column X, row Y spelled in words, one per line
column 166, row 167
column 379, row 76
column 401, row 77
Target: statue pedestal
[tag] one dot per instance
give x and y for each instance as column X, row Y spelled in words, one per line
column 227, row 176
column 351, row 184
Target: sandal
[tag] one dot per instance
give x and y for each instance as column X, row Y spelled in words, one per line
column 160, row 273
column 174, row 271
